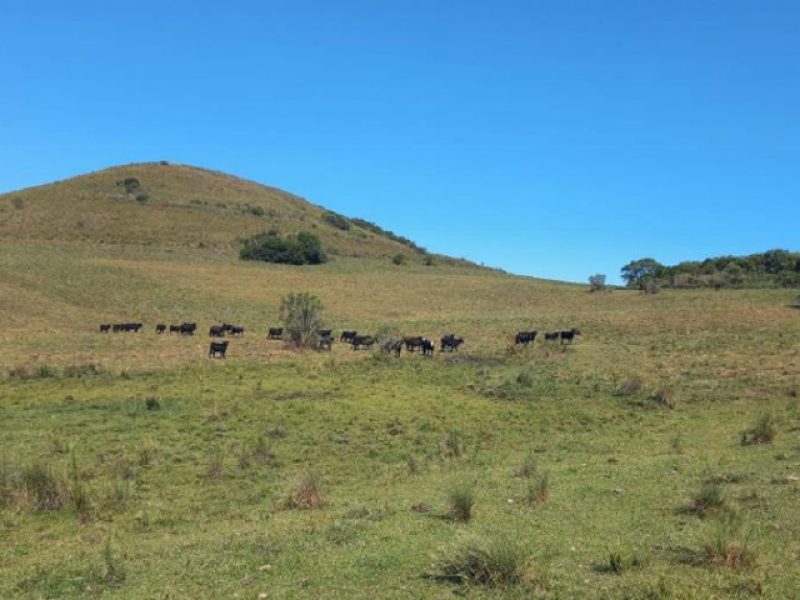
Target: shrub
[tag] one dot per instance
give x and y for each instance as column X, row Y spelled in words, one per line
column 129, row 184
column 256, row 211
column 460, row 500
column 620, row 559
column 597, row 283
column 428, row 260
column 399, row 259
column 763, row 432
column 301, row 316
column 302, row 249
column 492, row 563
column 152, row 404
column 336, row 220
column 142, row 198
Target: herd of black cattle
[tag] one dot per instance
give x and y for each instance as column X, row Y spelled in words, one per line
column 448, row 343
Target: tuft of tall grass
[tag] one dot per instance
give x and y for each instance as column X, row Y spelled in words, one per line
column 460, row 502
column 495, row 563
column 763, row 432
column 708, row 500
column 528, row 466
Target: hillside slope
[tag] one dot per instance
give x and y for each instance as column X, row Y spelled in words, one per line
column 159, row 204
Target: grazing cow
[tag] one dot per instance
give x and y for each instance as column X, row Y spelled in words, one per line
column 362, row 342
column 552, row 336
column 105, row 328
column 227, row 326
column 413, row 342
column 116, row 327
column 451, row 342
column 525, row 337
column 161, row 328
column 216, row 331
column 188, row 328
column 569, row 335
column 174, row 329
column 236, row 330
column 324, row 342
column 217, row 349
column 325, row 332
column 427, row 347
column 347, row 336
column 275, row 333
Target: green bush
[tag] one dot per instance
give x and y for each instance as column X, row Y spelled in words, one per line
column 399, row 259
column 336, row 220
column 301, row 315
column 302, row 249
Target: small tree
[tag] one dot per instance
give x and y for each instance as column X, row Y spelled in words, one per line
column 597, row 283
column 639, row 273
column 301, row 315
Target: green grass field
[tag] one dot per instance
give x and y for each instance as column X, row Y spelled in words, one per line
column 133, row 466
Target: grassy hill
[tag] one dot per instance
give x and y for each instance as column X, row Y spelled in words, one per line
column 133, row 466
column 168, row 205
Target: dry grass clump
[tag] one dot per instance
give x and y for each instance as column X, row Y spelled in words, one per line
column 305, row 494
column 710, row 499
column 460, row 501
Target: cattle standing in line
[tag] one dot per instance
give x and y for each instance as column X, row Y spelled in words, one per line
column 451, row 342
column 525, row 337
column 427, row 347
column 552, row 336
column 362, row 342
column 413, row 342
column 124, row 327
column 160, row 328
column 217, row 349
column 174, row 329
column 347, row 336
column 188, row 328
column 105, row 328
column 216, row 331
column 275, row 333
column 569, row 335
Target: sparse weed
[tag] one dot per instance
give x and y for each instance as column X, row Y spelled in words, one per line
column 710, row 499
column 452, row 446
column 528, row 467
column 305, row 493
column 538, row 490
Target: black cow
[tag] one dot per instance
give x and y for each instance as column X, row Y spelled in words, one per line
column 347, row 336
column 105, row 328
column 217, row 349
column 116, row 327
column 451, row 342
column 134, row 327
column 552, row 336
column 362, row 342
column 227, row 326
column 188, row 328
column 216, row 331
column 236, row 330
column 427, row 347
column 525, row 337
column 174, row 329
column 413, row 342
column 275, row 333
column 568, row 335
column 325, row 332
column 161, row 328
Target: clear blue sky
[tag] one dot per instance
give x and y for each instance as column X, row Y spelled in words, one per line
column 557, row 139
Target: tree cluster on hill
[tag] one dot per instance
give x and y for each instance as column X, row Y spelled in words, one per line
column 301, row 249
column 773, row 268
column 390, row 234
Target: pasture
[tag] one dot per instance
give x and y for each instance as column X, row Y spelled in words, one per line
column 282, row 474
